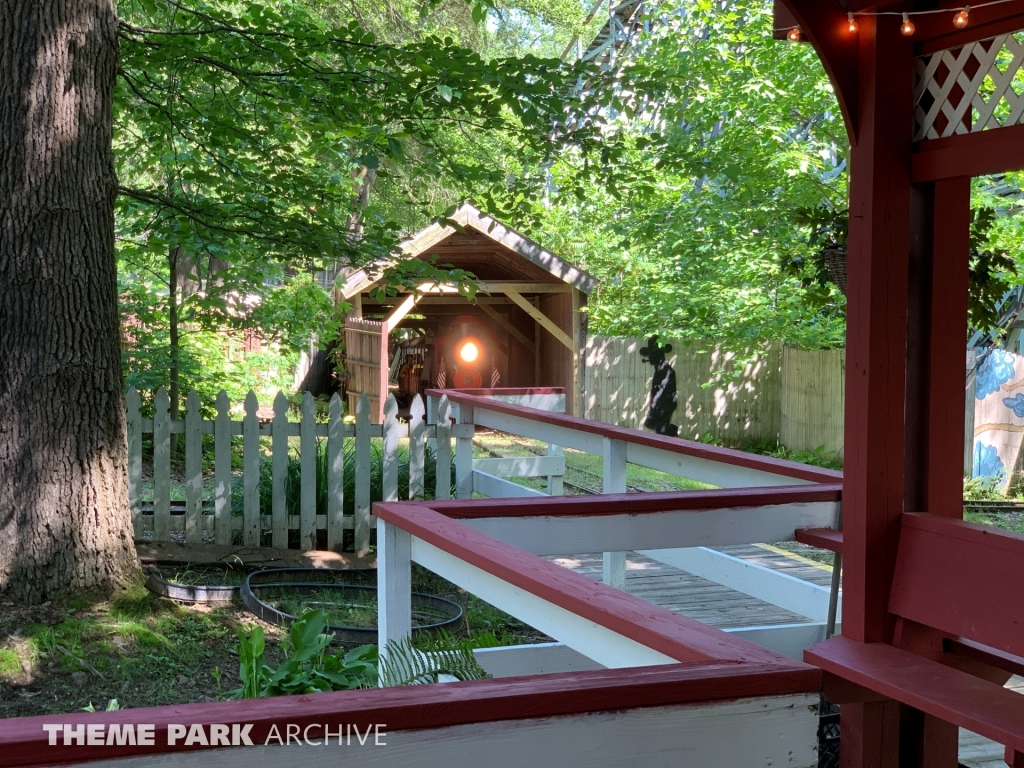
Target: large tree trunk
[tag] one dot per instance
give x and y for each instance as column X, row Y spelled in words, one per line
column 64, row 518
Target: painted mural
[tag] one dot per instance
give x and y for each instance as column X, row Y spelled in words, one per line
column 999, row 417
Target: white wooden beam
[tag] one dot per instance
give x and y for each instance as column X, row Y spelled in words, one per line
column 781, row 589
column 613, row 565
column 394, row 585
column 532, row 659
column 543, row 535
column 545, row 658
column 704, row 470
column 498, row 488
column 545, row 322
column 522, row 466
column 548, row 433
column 608, row 648
column 464, row 454
column 786, row 639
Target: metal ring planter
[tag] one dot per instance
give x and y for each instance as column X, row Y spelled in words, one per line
column 198, row 593
column 303, row 581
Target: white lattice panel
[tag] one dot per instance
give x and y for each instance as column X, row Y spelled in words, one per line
column 973, row 88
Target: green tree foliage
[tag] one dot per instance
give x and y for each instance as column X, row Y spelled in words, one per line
column 248, row 136
column 731, row 134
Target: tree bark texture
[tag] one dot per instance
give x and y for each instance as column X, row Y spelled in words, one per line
column 64, row 518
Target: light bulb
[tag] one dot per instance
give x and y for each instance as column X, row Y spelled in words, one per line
column 851, row 24
column 907, row 27
column 794, row 35
column 961, row 19
column 469, row 352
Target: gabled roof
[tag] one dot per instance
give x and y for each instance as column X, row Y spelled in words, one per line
column 471, row 218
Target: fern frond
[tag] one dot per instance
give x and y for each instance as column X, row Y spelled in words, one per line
column 403, row 664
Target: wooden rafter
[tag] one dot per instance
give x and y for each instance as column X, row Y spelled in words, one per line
column 398, row 313
column 512, row 330
column 543, row 320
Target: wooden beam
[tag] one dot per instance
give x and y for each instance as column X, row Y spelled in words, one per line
column 774, row 587
column 504, row 286
column 545, row 322
column 454, row 301
column 999, row 150
column 398, row 313
column 514, row 332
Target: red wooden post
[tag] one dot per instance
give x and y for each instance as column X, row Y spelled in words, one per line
column 880, row 192
column 873, row 485
column 937, row 329
column 940, row 391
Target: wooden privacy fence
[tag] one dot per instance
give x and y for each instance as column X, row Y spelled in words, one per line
column 786, row 394
column 212, row 518
column 813, row 399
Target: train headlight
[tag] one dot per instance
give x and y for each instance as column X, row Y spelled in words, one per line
column 469, row 352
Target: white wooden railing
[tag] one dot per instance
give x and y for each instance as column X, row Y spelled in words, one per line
column 719, row 467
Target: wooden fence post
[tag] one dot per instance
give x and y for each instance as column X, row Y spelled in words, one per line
column 279, row 472
column 394, row 585
column 614, row 481
column 162, row 467
column 362, row 489
column 443, row 456
column 134, row 419
column 307, row 476
column 193, row 470
column 335, row 476
column 417, row 426
column 389, row 459
column 222, row 469
column 464, row 457
column 251, row 472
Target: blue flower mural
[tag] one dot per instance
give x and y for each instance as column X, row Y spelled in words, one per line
column 987, row 462
column 1015, row 404
column 995, row 371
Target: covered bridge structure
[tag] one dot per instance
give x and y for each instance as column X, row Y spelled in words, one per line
column 524, row 328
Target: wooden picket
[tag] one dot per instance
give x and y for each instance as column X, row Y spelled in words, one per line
column 208, row 514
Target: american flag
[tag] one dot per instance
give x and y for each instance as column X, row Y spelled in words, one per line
column 495, row 377
column 442, row 375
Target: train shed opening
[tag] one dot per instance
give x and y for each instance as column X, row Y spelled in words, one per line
column 526, row 326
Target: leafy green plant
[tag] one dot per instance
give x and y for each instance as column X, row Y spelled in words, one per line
column 982, row 488
column 112, row 706
column 405, row 664
column 310, row 667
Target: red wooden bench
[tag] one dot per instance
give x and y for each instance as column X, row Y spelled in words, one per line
column 958, row 595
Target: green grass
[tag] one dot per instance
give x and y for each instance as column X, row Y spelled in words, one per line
column 581, row 469
column 1007, row 521
column 10, row 663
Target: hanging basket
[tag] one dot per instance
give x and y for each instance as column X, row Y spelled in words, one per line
column 835, row 260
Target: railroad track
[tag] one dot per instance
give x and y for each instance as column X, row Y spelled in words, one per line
column 583, row 489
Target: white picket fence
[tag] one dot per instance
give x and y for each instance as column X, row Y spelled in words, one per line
column 211, row 518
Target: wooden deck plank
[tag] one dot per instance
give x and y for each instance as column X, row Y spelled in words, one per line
column 698, row 598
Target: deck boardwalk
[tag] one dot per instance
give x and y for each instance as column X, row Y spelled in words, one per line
column 722, row 607
column 705, row 600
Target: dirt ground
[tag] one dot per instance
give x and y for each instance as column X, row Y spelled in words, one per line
column 135, row 647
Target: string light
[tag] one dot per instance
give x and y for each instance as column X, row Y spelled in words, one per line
column 794, row 35
column 961, row 19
